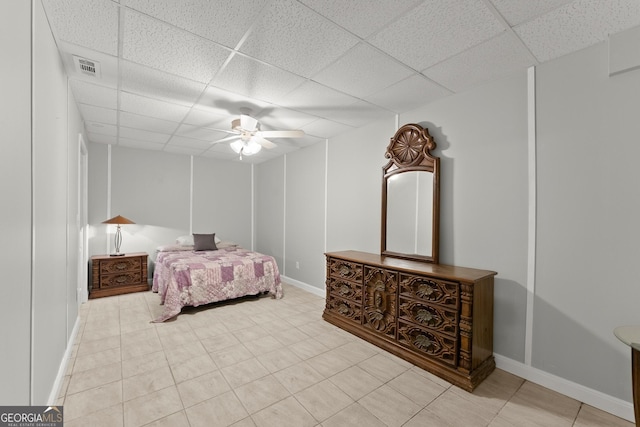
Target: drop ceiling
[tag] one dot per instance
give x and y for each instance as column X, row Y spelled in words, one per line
column 173, row 74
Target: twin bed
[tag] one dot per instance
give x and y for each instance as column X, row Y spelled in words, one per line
column 189, row 274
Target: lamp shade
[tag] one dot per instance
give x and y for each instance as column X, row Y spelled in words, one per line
column 118, row 220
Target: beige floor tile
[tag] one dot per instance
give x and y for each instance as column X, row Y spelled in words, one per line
column 250, row 334
column 334, row 339
column 353, row 416
column 139, row 348
column 220, row 342
column 286, row 413
column 246, row 422
column 390, row 406
column 417, row 388
column 308, row 348
column 356, row 382
column 263, row 345
column 329, row 363
column 178, row 339
column 107, row 417
column 356, row 351
column 223, row 410
column 459, row 410
column 192, row 368
column 96, row 360
column 323, row 400
column 279, row 359
column 290, row 335
column 148, row 382
column 382, row 367
column 261, row 393
column 144, row 363
column 185, row 352
column 493, row 392
column 152, row 407
column 133, row 337
column 202, row 388
column 178, row 419
column 93, row 400
column 592, row 417
column 231, row 355
column 426, row 418
column 95, row 377
column 207, row 329
column 244, row 372
column 89, row 347
column 298, row 377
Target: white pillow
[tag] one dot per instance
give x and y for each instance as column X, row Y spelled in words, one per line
column 188, row 240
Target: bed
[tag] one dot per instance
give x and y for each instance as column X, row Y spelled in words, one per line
column 184, row 276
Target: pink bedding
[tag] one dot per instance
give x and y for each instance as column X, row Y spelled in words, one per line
column 192, row 278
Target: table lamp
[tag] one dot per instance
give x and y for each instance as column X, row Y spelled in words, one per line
column 119, row 220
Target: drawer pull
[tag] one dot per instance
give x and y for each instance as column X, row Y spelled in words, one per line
column 343, row 309
column 345, row 270
column 345, row 290
column 424, row 316
column 425, row 291
column 423, row 342
column 121, row 266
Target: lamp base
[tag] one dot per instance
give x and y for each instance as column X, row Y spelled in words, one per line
column 116, row 254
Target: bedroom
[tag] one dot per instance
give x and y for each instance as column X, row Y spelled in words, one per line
column 585, row 232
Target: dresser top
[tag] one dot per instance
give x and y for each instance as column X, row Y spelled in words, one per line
column 441, row 270
column 116, row 257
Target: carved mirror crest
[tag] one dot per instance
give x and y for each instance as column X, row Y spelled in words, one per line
column 411, row 196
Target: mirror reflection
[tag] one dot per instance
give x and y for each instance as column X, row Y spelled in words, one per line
column 410, row 213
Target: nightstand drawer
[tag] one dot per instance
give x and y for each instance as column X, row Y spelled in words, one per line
column 119, row 265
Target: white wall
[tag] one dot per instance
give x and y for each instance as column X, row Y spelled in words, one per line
column 38, row 167
column 269, row 208
column 15, row 188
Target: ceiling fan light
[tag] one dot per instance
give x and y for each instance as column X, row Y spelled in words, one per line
column 246, row 147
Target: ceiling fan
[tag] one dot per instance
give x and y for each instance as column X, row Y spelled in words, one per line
column 247, row 137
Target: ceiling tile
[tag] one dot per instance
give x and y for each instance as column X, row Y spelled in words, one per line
column 440, row 29
column 136, row 143
column 256, row 79
column 101, row 128
column 150, row 82
column 363, row 71
column 206, row 118
column 361, row 17
column 284, row 119
column 147, row 123
column 95, row 23
column 167, row 48
column 408, row 94
column 202, row 133
column 495, row 58
column 143, row 135
column 88, row 93
column 358, row 114
column 227, row 104
column 102, row 139
column 232, row 18
column 576, row 26
column 518, row 11
column 323, row 128
column 293, row 37
column 181, row 141
column 152, row 107
column 91, row 113
column 108, row 75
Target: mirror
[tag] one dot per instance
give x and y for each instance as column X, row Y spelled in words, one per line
column 411, row 196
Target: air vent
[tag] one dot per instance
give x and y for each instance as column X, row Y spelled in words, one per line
column 87, row 66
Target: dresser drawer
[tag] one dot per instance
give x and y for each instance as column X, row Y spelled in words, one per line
column 345, row 289
column 427, row 342
column 429, row 289
column 345, row 308
column 434, row 317
column 120, row 265
column 345, row 270
column 122, row 279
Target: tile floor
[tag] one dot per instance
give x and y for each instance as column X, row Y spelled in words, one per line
column 264, row 362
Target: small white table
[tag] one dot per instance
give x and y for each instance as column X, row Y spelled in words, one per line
column 630, row 335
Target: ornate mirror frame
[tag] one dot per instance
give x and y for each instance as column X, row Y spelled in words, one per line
column 409, row 151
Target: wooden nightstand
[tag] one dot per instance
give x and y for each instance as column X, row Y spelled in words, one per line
column 115, row 275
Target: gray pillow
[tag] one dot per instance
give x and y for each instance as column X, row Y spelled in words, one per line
column 204, row 242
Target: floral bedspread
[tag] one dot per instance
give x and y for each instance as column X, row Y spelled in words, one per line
column 193, row 278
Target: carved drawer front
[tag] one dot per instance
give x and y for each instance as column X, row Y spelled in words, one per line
column 424, row 341
column 126, row 264
column 345, row 270
column 345, row 309
column 345, row 289
column 433, row 317
column 436, row 291
column 114, row 280
column 380, row 290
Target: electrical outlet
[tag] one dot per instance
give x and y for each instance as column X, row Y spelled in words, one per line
column 297, row 264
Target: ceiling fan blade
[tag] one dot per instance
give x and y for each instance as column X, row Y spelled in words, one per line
column 282, row 133
column 227, row 138
column 264, row 142
column 235, row 132
column 248, row 123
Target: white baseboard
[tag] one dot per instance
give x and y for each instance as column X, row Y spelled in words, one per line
column 610, row 404
column 55, row 391
column 304, row 286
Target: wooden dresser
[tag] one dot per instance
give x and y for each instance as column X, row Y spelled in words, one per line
column 438, row 317
column 114, row 275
